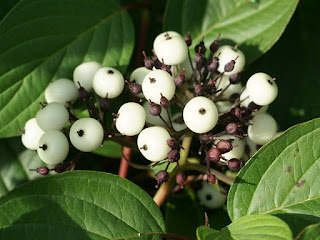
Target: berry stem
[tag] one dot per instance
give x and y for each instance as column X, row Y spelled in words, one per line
column 126, row 154
column 166, row 187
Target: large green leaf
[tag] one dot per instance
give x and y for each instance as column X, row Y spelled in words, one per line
column 255, row 27
column 15, row 163
column 282, row 179
column 249, row 227
column 310, row 232
column 44, row 40
column 79, row 205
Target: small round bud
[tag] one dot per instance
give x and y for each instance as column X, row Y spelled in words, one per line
column 213, row 154
column 174, row 156
column 227, row 54
column 235, row 78
column 155, row 120
column 147, row 61
column 179, row 81
column 200, row 48
column 43, row 170
column 162, row 177
column 237, row 148
column 83, row 94
column 154, row 109
column 180, row 178
column 135, row 88
column 211, row 179
column 253, row 107
column 214, row 45
column 214, row 65
column 232, row 128
column 173, row 143
column 164, row 102
column 198, row 89
column 224, row 146
column 234, row 164
column 229, row 66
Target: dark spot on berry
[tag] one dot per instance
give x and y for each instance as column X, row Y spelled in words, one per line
column 144, row 147
column 208, row 197
column 44, row 147
column 202, row 111
column 152, row 80
column 301, row 183
column 110, row 72
column 80, row 133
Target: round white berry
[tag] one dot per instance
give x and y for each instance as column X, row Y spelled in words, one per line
column 155, row 120
column 227, row 54
column 108, row 82
column 172, row 50
column 86, row 134
column 263, row 128
column 53, row 116
column 156, row 83
column 138, row 76
column 200, row 115
column 31, row 134
column 152, row 143
column 62, row 91
column 131, row 119
column 245, row 100
column 228, row 90
column 53, row 147
column 238, row 146
column 211, row 197
column 84, row 73
column 163, row 36
column 262, row 89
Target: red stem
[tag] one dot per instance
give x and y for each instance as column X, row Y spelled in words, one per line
column 126, row 154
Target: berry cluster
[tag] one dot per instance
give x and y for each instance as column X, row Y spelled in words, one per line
column 171, row 95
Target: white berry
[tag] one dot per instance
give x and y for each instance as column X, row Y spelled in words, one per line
column 108, row 82
column 223, row 106
column 138, row 76
column 53, row 116
column 262, row 89
column 211, row 197
column 200, row 115
column 131, row 119
column 163, row 36
column 84, row 73
column 152, row 143
column 86, row 134
column 31, row 134
column 263, row 128
column 172, row 50
column 62, row 91
column 155, row 120
column 156, row 83
column 53, row 147
column 227, row 54
column 238, row 146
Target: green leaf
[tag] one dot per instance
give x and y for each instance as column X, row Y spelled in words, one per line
column 15, row 163
column 254, row 27
column 298, row 81
column 109, row 149
column 79, row 205
column 310, row 232
column 183, row 214
column 282, row 179
column 249, row 227
column 162, row 166
column 44, row 40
